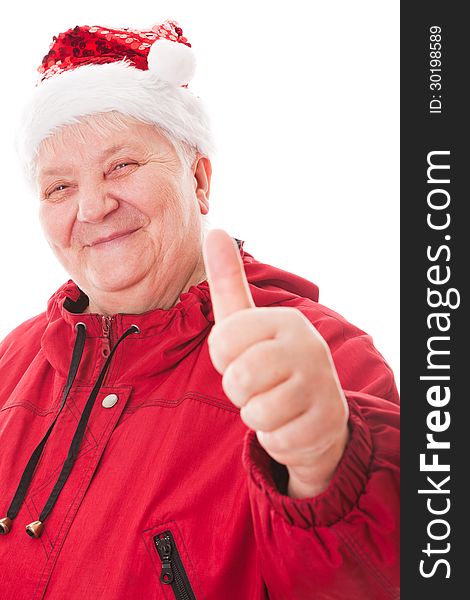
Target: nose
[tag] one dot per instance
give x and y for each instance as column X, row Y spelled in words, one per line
column 94, row 204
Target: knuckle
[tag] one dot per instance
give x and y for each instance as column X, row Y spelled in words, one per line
column 278, row 442
column 290, row 319
column 232, row 392
column 297, row 318
column 239, row 376
column 257, row 415
column 302, row 380
column 218, row 348
column 301, row 330
column 226, row 386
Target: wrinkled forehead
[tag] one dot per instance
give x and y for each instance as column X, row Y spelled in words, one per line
column 99, row 136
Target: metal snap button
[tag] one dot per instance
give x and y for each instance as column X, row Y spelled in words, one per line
column 109, row 401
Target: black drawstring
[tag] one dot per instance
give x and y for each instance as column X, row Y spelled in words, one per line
column 5, row 523
column 35, row 529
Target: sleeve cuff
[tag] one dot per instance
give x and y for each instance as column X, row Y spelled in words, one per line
column 268, row 479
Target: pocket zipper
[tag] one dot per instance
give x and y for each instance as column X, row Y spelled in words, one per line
column 173, row 572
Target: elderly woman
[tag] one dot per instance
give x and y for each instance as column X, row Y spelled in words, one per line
column 182, row 421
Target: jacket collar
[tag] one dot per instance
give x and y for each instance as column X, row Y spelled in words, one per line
column 168, row 335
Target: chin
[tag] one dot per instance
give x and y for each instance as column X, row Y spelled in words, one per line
column 114, row 278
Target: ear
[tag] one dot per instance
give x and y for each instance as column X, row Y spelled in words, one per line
column 202, row 172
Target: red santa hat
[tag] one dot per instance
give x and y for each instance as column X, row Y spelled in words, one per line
column 140, row 73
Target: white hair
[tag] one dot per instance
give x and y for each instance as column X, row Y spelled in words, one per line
column 113, row 121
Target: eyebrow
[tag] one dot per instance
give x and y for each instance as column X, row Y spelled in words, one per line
column 105, row 154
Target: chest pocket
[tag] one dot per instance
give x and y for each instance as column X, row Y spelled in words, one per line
column 24, row 420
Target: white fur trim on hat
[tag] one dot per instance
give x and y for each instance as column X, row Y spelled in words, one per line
column 63, row 99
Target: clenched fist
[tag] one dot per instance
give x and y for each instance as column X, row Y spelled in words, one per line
column 278, row 370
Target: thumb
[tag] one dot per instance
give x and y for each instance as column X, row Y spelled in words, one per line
column 227, row 280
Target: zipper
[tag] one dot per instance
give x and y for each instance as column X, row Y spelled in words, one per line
column 173, row 572
column 107, row 330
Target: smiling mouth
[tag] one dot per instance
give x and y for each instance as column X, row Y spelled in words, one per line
column 111, row 238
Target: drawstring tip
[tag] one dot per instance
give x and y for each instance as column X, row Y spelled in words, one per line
column 5, row 525
column 34, row 529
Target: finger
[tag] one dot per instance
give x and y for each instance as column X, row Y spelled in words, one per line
column 272, row 409
column 231, row 337
column 305, row 436
column 260, row 368
column 226, row 275
column 293, row 441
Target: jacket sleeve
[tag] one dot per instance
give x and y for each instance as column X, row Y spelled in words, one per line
column 344, row 543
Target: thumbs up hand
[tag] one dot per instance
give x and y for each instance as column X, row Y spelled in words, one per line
column 278, row 370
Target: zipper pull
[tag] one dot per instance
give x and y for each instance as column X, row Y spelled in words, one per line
column 106, row 329
column 105, row 325
column 164, row 550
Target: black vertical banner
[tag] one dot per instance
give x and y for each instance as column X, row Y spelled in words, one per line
column 435, row 257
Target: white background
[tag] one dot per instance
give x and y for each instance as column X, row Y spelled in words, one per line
column 304, row 100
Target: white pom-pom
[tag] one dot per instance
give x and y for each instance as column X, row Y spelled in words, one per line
column 173, row 62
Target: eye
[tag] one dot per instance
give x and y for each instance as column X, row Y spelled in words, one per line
column 121, row 166
column 58, row 188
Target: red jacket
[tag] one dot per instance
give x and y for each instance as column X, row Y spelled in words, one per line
column 170, row 495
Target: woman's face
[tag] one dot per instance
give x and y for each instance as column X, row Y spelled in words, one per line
column 120, row 211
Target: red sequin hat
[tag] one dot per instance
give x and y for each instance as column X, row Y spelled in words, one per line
column 139, row 73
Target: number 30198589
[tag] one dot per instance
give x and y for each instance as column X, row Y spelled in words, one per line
column 435, row 58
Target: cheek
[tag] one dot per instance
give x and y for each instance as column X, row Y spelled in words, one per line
column 163, row 200
column 56, row 221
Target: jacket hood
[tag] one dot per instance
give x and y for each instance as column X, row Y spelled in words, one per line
column 173, row 332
